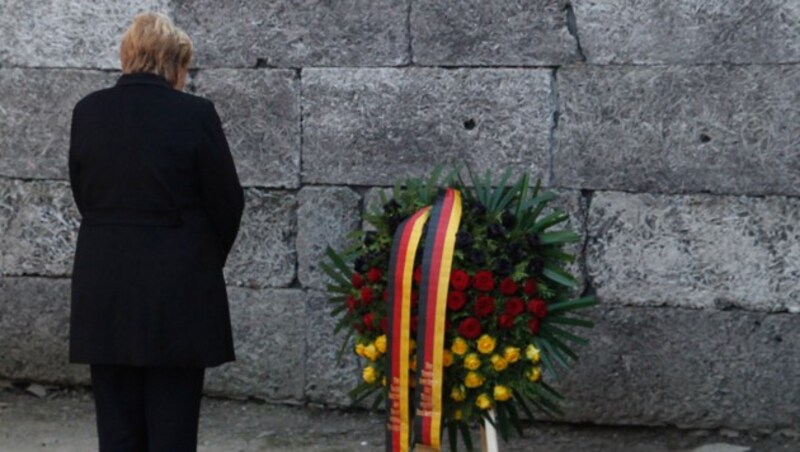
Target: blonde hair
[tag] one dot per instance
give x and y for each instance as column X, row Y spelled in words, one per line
column 154, row 44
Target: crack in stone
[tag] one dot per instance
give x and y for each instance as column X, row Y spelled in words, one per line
column 552, row 140
column 588, row 285
column 572, row 28
column 408, row 31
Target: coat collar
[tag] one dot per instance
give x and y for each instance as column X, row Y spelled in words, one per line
column 143, row 78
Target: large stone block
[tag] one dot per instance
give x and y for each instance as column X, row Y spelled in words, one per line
column 34, row 331
column 38, row 228
column 696, row 251
column 260, row 111
column 687, row 31
column 264, row 252
column 328, row 381
column 486, row 33
column 54, row 33
column 688, row 368
column 374, row 126
column 36, row 107
column 679, row 129
column 269, row 339
column 324, row 218
column 296, row 33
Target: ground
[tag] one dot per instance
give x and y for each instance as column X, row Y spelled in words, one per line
column 63, row 420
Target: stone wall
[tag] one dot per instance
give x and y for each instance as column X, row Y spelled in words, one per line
column 671, row 129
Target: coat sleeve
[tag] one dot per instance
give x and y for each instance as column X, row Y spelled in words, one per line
column 72, row 162
column 222, row 193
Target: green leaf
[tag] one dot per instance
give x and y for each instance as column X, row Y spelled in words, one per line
column 430, row 190
column 559, row 237
column 559, row 345
column 514, row 417
column 578, row 303
column 335, row 275
column 452, row 436
column 523, row 192
column 499, row 190
column 556, row 331
column 502, row 421
column 520, row 398
column 569, row 321
column 550, row 220
column 552, row 391
column 377, row 401
column 338, row 261
column 557, row 275
column 465, row 435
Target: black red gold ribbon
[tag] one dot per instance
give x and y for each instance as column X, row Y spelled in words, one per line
column 437, row 262
column 401, row 269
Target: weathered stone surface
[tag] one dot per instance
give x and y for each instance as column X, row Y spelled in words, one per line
column 34, row 331
column 683, row 367
column 324, row 218
column 685, row 31
column 260, row 111
column 695, row 251
column 67, row 34
column 264, row 252
column 326, row 380
column 374, row 126
column 38, row 228
column 269, row 338
column 477, row 32
column 36, row 110
column 679, row 129
column 296, row 33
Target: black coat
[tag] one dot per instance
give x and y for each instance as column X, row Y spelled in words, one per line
column 160, row 205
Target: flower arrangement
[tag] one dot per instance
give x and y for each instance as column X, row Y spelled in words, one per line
column 508, row 303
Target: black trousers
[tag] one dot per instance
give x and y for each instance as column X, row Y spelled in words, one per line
column 147, row 409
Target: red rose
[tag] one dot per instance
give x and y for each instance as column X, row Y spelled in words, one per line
column 418, row 275
column 459, row 279
column 537, row 307
column 366, row 294
column 456, row 300
column 414, row 323
column 368, row 320
column 385, row 294
column 470, row 328
column 384, row 324
column 508, row 286
column 533, row 325
column 374, row 275
column 448, row 326
column 414, row 298
column 357, row 280
column 514, row 307
column 351, row 303
column 484, row 280
column 484, row 306
column 506, row 321
column 530, row 287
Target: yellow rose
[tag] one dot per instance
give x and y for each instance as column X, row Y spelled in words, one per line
column 511, row 354
column 533, row 353
column 472, row 362
column 360, row 350
column 502, row 393
column 371, row 352
column 458, row 393
column 473, row 380
column 485, row 344
column 412, row 364
column 483, row 402
column 412, row 345
column 369, row 374
column 447, row 358
column 499, row 363
column 383, row 381
column 534, row 374
column 380, row 343
column 457, row 415
column 459, row 346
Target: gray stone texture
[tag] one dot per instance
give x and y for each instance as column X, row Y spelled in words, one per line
column 698, row 251
column 325, row 216
column 38, row 228
column 374, row 126
column 260, row 111
column 52, row 33
column 685, row 367
column 328, row 381
column 679, row 129
column 687, row 31
column 264, row 252
column 269, row 339
column 35, row 117
column 296, row 33
column 34, row 329
column 480, row 33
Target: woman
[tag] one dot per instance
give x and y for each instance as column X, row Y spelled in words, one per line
column 161, row 203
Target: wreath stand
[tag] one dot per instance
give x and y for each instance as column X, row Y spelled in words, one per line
column 489, row 441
